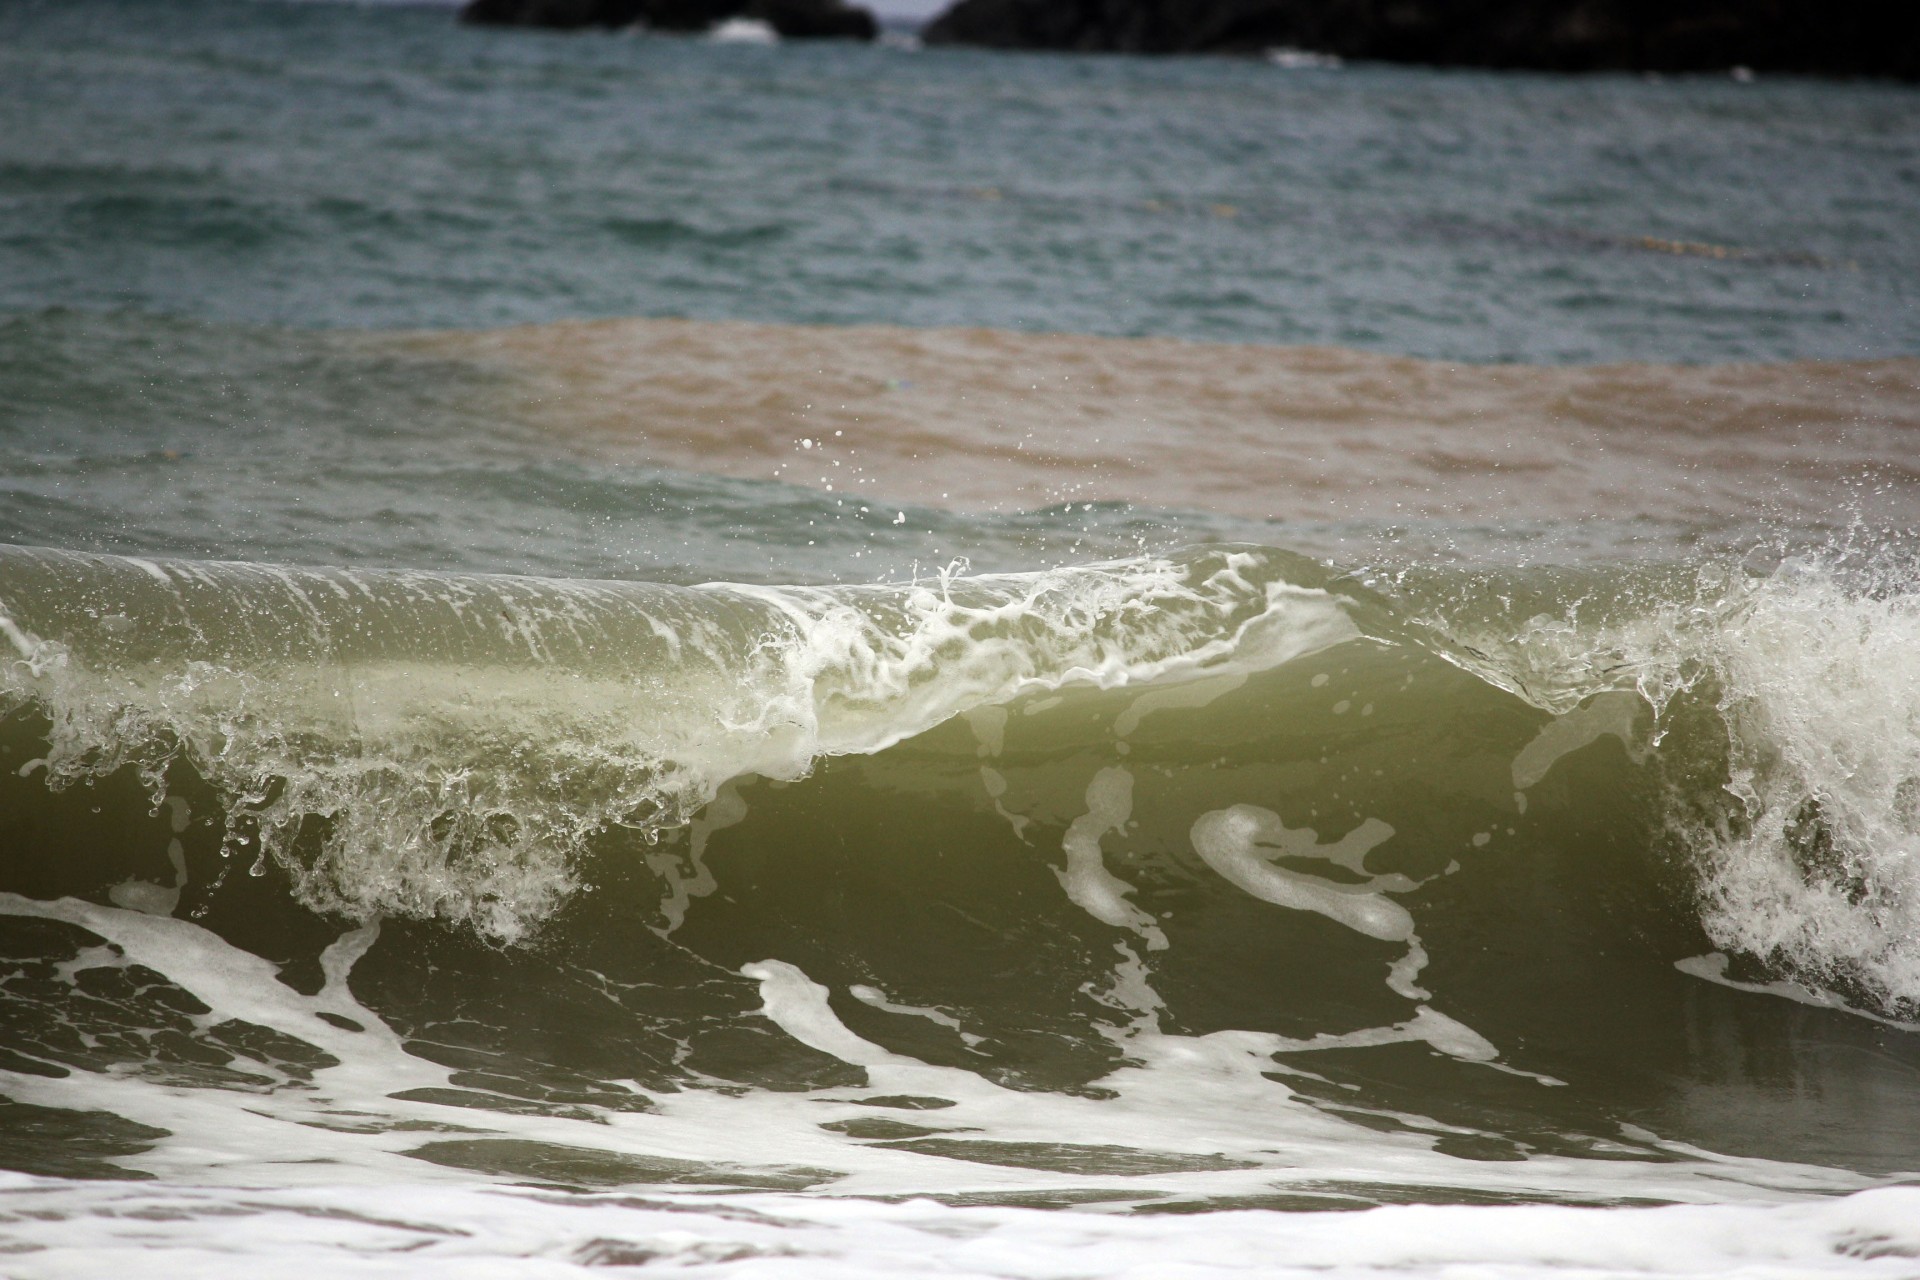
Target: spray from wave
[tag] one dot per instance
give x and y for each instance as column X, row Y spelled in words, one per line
column 1794, row 779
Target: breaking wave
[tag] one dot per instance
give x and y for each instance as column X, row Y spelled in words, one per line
column 448, row 746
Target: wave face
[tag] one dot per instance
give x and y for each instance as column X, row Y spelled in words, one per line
column 1415, row 867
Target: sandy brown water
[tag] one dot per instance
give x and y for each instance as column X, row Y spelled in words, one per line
column 977, row 419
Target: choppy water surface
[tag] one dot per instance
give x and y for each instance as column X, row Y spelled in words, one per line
column 1325, row 641
column 361, row 166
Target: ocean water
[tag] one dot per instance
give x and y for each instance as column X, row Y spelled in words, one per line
column 768, row 661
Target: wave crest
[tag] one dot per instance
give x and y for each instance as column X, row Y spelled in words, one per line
column 443, row 745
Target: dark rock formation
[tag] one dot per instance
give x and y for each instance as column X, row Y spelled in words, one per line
column 1849, row 37
column 792, row 19
column 812, row 19
column 562, row 14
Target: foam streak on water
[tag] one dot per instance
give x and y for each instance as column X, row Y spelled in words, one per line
column 1192, row 1120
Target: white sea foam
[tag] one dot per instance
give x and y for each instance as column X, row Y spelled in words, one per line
column 1184, row 1119
column 1814, row 670
column 69, row 1231
column 1821, row 689
column 337, row 1176
column 744, row 31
